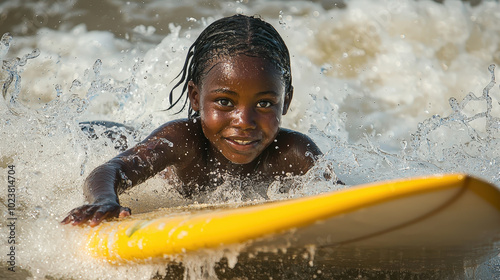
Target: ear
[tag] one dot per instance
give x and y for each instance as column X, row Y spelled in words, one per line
column 194, row 96
column 288, row 99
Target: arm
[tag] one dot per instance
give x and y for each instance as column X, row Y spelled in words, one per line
column 99, row 189
column 167, row 145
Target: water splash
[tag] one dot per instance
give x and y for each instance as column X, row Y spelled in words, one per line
column 452, row 142
column 11, row 84
column 5, row 44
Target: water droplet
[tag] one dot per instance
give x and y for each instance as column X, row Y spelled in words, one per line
column 97, row 67
column 58, row 90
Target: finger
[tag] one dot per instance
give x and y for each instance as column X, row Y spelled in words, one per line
column 67, row 220
column 90, row 211
column 125, row 212
column 83, row 214
column 78, row 220
column 69, row 217
column 72, row 215
column 98, row 217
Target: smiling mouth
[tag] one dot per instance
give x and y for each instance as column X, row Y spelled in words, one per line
column 242, row 142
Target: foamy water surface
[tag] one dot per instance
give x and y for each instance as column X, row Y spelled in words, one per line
column 388, row 89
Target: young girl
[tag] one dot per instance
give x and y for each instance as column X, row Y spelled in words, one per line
column 238, row 82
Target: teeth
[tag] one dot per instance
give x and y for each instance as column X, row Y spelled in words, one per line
column 242, row 142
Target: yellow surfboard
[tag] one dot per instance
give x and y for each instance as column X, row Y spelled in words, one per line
column 427, row 222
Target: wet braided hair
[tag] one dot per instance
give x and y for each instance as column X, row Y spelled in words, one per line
column 229, row 37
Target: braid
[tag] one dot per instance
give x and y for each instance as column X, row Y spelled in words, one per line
column 231, row 36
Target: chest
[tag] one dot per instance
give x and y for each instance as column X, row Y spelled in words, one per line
column 203, row 178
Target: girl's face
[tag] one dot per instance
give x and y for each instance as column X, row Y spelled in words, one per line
column 240, row 101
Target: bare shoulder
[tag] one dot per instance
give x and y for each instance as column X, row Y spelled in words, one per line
column 294, row 141
column 177, row 142
column 292, row 152
column 180, row 129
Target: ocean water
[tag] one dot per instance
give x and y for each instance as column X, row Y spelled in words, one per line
column 388, row 89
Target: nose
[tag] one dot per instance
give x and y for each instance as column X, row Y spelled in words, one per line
column 244, row 118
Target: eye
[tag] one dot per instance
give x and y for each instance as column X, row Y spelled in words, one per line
column 224, row 102
column 264, row 104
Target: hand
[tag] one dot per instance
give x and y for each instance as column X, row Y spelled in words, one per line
column 96, row 213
